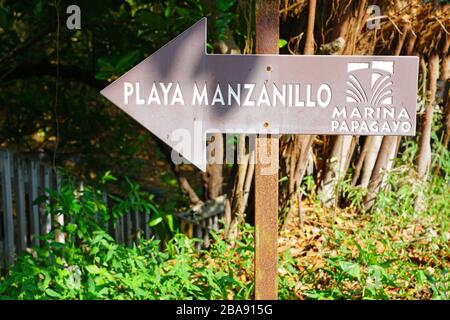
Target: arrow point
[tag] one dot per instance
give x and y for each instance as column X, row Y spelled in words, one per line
column 201, row 166
column 163, row 66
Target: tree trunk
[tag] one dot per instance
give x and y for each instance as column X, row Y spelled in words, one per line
column 445, row 75
column 299, row 163
column 383, row 164
column 389, row 144
column 237, row 200
column 242, row 186
column 424, row 153
column 337, row 165
column 213, row 177
column 367, row 160
column 301, row 144
column 343, row 146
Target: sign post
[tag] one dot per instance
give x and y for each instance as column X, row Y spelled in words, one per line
column 266, row 183
column 181, row 93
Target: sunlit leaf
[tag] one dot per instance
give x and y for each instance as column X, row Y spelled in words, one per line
column 350, row 268
column 127, row 61
column 155, row 221
column 92, row 269
column 52, row 293
column 282, row 43
column 224, row 5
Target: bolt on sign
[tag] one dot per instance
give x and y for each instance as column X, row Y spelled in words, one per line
column 181, row 93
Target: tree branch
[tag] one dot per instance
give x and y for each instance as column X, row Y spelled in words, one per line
column 27, row 43
column 48, row 69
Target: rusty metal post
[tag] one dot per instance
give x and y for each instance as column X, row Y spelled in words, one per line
column 266, row 174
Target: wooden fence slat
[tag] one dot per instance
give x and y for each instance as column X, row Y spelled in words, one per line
column 123, row 229
column 116, row 230
column 205, row 224
column 138, row 229
column 20, row 205
column 105, row 201
column 8, row 222
column 34, row 209
column 147, row 230
column 129, row 229
column 59, row 219
column 120, row 229
column 46, row 218
column 96, row 216
column 198, row 235
column 120, row 226
column 216, row 222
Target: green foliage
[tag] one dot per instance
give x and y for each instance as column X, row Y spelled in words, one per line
column 91, row 265
column 391, row 253
column 98, row 268
column 394, row 251
column 85, row 207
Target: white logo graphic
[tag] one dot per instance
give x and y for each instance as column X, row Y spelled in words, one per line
column 376, row 77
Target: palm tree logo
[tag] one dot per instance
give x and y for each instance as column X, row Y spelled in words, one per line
column 376, row 77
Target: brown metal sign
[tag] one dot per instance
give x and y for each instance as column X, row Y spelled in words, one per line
column 181, row 89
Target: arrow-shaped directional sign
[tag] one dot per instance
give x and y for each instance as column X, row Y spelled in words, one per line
column 180, row 93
